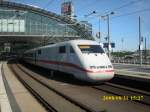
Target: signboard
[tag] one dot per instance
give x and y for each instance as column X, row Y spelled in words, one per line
column 12, row 25
column 66, row 8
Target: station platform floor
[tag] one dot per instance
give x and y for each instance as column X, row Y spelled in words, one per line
column 4, row 102
column 14, row 97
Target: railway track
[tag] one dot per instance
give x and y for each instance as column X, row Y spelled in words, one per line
column 40, row 99
column 126, row 93
column 72, row 104
column 108, row 89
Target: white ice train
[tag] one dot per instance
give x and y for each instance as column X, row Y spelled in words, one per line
column 84, row 59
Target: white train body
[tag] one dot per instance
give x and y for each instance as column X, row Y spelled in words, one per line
column 85, row 59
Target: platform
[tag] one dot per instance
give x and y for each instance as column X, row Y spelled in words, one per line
column 4, row 102
column 20, row 99
column 130, row 71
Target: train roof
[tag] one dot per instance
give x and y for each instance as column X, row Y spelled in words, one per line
column 83, row 41
column 74, row 42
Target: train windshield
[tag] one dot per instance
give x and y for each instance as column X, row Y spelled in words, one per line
column 91, row 49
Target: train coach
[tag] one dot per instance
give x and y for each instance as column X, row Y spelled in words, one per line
column 84, row 59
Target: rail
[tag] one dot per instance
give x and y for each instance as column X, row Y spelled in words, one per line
column 45, row 103
column 126, row 93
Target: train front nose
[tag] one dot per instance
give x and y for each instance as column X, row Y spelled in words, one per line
column 104, row 75
column 98, row 67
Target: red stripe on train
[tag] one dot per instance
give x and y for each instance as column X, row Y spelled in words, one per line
column 75, row 66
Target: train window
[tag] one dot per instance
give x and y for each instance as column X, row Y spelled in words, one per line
column 62, row 49
column 39, row 52
column 91, row 49
column 71, row 49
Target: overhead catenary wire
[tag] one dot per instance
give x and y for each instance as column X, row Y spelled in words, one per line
column 120, row 7
column 125, row 5
column 131, row 13
column 86, row 6
column 114, row 9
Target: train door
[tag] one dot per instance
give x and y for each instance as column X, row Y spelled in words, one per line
column 62, row 58
column 71, row 54
column 72, row 58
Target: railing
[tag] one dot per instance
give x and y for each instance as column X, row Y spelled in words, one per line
column 129, row 61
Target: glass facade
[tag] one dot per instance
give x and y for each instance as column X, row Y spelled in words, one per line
column 16, row 19
column 31, row 23
column 25, row 26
